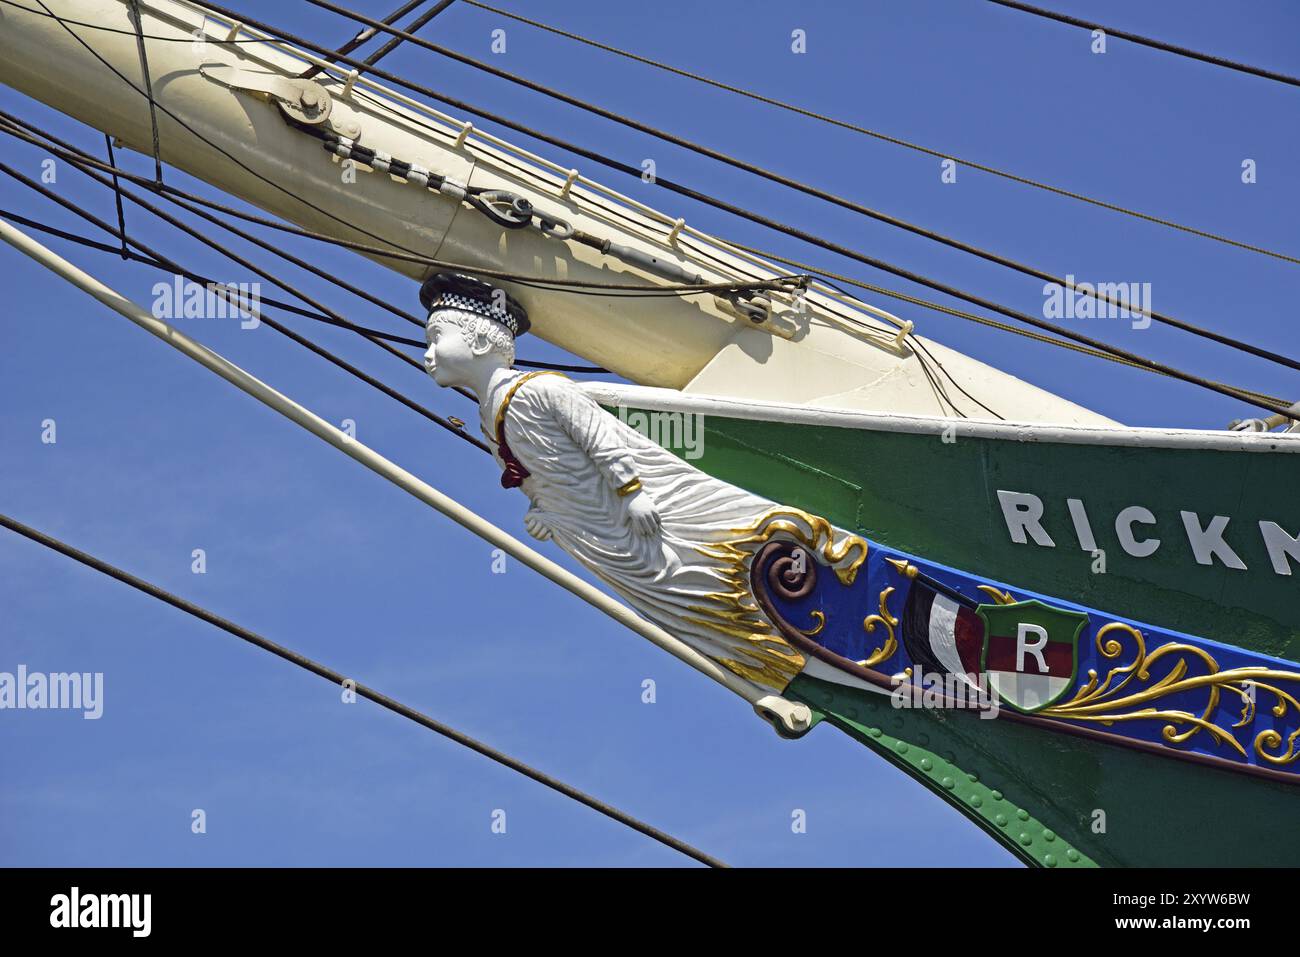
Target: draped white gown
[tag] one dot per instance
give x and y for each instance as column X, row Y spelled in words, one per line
column 691, row 578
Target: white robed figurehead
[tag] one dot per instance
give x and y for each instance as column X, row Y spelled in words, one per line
column 674, row 542
column 471, row 331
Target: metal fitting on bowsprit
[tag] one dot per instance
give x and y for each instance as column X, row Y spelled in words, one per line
column 508, row 210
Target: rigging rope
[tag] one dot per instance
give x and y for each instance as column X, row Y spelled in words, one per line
column 1232, row 392
column 172, row 266
column 885, row 137
column 75, row 155
column 324, row 315
column 973, row 317
column 275, row 280
column 363, row 35
column 156, row 260
column 414, row 25
column 117, row 195
column 1148, row 42
column 197, row 234
column 391, row 704
column 751, row 216
column 245, row 167
column 860, row 327
column 126, row 33
column 750, row 94
column 138, row 17
column 83, row 165
column 665, row 289
column 833, row 198
column 338, row 320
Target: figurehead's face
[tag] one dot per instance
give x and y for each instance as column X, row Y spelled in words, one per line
column 462, row 344
column 449, row 357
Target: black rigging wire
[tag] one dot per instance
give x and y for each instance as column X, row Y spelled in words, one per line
column 323, row 315
column 126, row 33
column 207, row 281
column 560, row 366
column 393, row 78
column 391, row 704
column 916, row 341
column 83, row 163
column 805, row 268
column 725, row 206
column 172, row 266
column 363, row 35
column 780, row 104
column 269, row 277
column 138, row 17
column 338, row 320
column 884, row 137
column 207, row 241
column 72, row 154
column 117, row 195
column 245, row 167
column 834, row 199
column 154, row 259
column 667, row 289
column 827, row 275
column 360, row 293
column 1114, row 351
column 940, row 393
column 411, row 27
column 1148, row 42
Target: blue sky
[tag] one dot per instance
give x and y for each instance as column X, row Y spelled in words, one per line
column 155, row 457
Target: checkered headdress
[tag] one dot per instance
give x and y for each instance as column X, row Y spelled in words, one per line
column 450, row 290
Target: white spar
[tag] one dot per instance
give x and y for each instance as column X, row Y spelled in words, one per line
column 788, row 716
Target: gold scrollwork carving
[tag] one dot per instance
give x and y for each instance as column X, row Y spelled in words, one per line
column 762, row 654
column 819, row 617
column 1097, row 701
column 890, row 644
column 1272, row 739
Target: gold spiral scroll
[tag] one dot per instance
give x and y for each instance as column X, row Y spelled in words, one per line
column 761, row 653
column 818, row 616
column 890, row 644
column 1097, row 701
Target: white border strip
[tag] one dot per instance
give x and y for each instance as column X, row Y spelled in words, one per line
column 645, row 397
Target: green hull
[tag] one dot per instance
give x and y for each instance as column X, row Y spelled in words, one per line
column 1054, row 800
